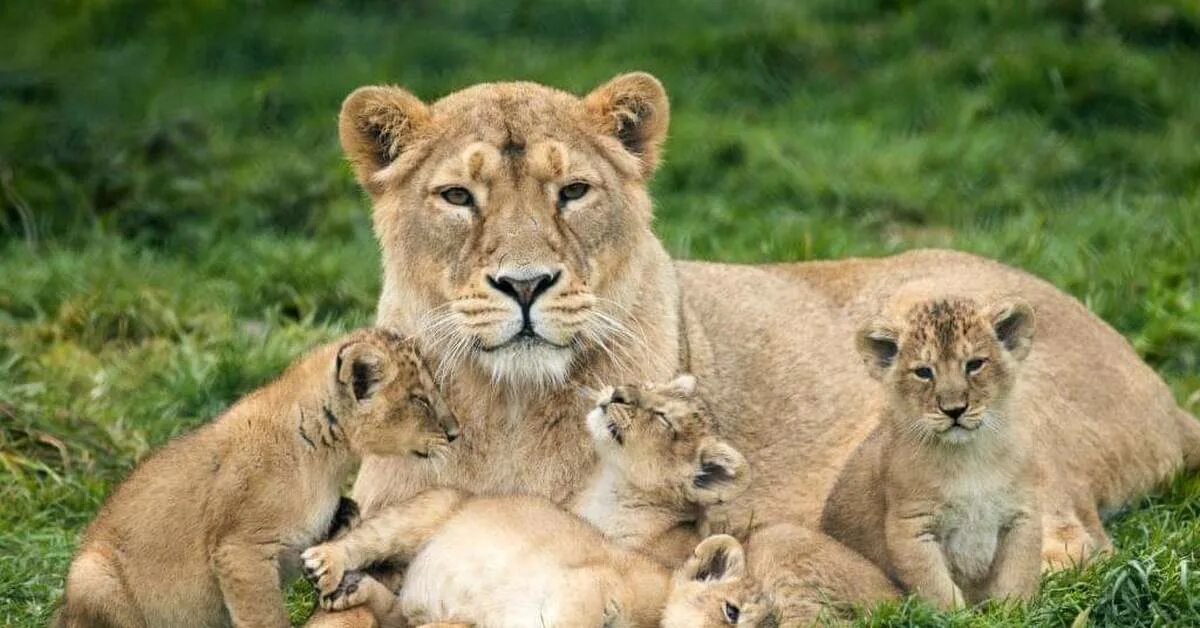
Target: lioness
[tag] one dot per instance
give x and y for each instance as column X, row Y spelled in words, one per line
column 198, row 534
column 943, row 495
column 515, row 226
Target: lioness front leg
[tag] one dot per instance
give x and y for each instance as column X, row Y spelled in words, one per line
column 249, row 579
column 1017, row 565
column 917, row 558
column 395, row 532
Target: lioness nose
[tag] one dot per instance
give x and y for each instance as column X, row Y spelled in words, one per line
column 524, row 289
column 954, row 413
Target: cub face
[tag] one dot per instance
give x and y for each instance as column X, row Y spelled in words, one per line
column 387, row 399
column 713, row 589
column 949, row 365
column 662, row 439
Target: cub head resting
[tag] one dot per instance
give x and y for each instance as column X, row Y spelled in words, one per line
column 949, row 365
column 386, row 398
column 713, row 588
column 660, row 438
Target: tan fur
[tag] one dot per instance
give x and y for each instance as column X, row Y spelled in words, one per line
column 771, row 345
column 661, row 467
column 201, row 533
column 463, row 551
column 943, row 495
column 811, row 578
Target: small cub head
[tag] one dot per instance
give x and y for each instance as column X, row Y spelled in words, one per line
column 713, row 588
column 387, row 398
column 949, row 364
column 662, row 439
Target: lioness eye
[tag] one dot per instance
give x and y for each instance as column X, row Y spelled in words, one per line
column 573, row 192
column 923, row 372
column 458, row 196
column 732, row 613
column 975, row 365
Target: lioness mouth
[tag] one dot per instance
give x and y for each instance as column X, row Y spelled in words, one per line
column 524, row 338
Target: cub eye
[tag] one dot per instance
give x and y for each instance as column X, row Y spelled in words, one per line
column 573, row 192
column 732, row 613
column 976, row 364
column 923, row 372
column 421, row 401
column 458, row 196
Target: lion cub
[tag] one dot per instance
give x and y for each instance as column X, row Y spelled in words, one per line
column 661, row 467
column 660, row 464
column 943, row 494
column 199, row 533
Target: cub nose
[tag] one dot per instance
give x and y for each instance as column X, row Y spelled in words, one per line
column 523, row 288
column 954, row 413
column 452, row 434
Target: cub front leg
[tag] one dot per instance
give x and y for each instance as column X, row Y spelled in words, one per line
column 395, row 532
column 1017, row 565
column 248, row 576
column 917, row 559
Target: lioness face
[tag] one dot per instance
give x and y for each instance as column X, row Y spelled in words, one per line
column 949, row 365
column 662, row 438
column 713, row 589
column 387, row 399
column 507, row 214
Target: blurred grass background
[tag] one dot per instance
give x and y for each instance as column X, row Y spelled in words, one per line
column 177, row 223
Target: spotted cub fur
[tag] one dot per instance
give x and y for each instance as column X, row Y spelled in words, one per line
column 203, row 532
column 943, row 494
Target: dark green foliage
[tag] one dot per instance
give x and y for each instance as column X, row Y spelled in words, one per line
column 177, row 223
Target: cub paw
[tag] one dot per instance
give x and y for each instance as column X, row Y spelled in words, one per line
column 346, row 594
column 324, row 566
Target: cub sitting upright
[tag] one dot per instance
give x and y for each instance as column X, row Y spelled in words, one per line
column 199, row 533
column 943, row 495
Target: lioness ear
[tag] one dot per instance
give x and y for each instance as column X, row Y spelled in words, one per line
column 1013, row 323
column 717, row 558
column 375, row 126
column 633, row 108
column 878, row 344
column 363, row 368
column 721, row 474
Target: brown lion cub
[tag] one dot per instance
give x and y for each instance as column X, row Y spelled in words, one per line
column 519, row 561
column 199, row 533
column 942, row 495
column 661, row 466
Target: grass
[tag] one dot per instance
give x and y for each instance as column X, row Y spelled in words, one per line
column 176, row 221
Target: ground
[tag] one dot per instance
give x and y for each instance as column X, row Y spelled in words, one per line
column 176, row 221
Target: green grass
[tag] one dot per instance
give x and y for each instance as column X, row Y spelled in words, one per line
column 176, row 221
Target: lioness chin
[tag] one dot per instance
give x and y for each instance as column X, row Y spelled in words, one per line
column 515, row 225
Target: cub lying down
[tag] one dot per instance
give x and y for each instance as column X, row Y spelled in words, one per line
column 946, row 480
column 659, row 465
column 199, row 532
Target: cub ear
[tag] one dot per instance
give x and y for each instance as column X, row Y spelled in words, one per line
column 717, row 558
column 633, row 108
column 375, row 126
column 878, row 343
column 1013, row 323
column 364, row 368
column 685, row 384
column 721, row 475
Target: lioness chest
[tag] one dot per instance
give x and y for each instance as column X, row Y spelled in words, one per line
column 975, row 512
